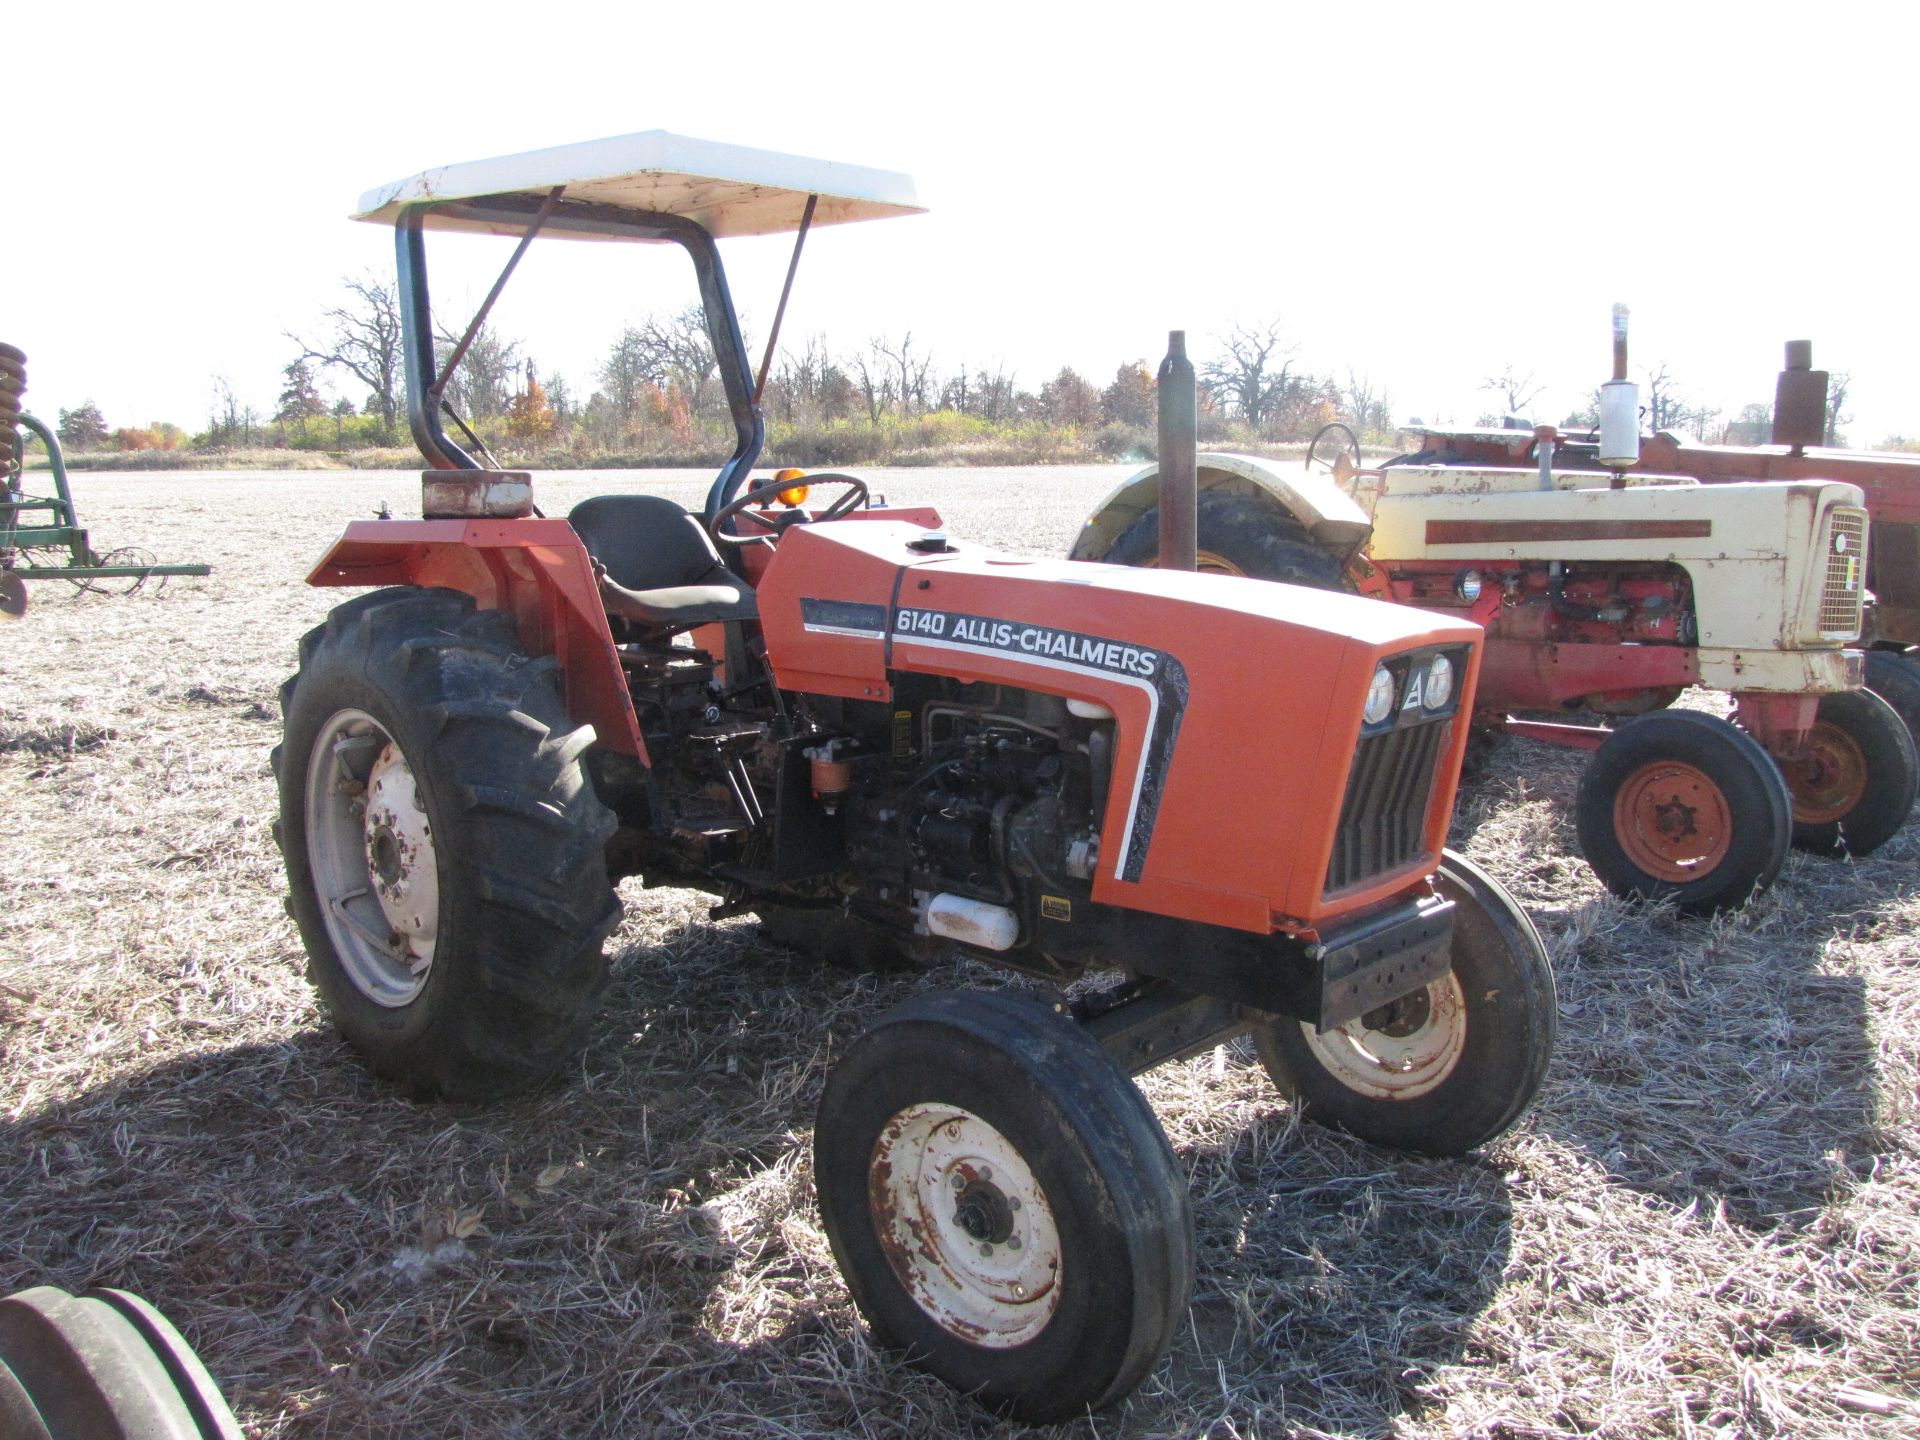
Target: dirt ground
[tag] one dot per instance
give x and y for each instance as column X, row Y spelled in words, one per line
column 1709, row 1225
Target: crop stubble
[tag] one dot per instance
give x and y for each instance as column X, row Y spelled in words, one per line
column 1710, row 1225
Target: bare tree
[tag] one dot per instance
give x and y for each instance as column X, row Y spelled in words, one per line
column 364, row 338
column 1838, row 383
column 910, row 371
column 1516, row 392
column 482, row 384
column 679, row 355
column 1365, row 400
column 872, row 374
column 1255, row 376
column 625, row 374
column 997, row 393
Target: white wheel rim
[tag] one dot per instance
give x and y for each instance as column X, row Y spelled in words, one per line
column 1416, row 1048
column 370, row 848
column 965, row 1226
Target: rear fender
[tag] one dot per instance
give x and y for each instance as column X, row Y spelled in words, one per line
column 536, row 569
column 1327, row 512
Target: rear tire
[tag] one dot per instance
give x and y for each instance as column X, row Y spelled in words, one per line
column 1681, row 805
column 1854, row 788
column 1238, row 534
column 1449, row 1068
column 1003, row 1204
column 102, row 1364
column 445, row 853
column 1894, row 675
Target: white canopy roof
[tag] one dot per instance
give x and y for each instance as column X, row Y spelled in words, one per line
column 728, row 189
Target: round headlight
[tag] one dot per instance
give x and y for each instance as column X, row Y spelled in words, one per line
column 1467, row 585
column 1379, row 697
column 1439, row 688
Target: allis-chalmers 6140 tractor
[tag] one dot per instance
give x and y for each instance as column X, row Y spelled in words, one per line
column 1607, row 591
column 857, row 727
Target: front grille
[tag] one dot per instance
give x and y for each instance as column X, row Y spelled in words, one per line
column 1383, row 820
column 1844, row 590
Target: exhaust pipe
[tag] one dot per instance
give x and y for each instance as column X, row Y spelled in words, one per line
column 1800, row 401
column 1179, row 467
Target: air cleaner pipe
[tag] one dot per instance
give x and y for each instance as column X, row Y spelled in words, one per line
column 1179, row 464
column 1619, row 409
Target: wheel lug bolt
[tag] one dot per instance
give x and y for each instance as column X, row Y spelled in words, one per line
column 986, row 1172
column 986, row 1250
column 959, row 1181
column 1013, row 1202
column 1013, row 1242
column 1019, row 1292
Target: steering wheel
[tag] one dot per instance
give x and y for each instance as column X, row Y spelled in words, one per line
column 1351, row 447
column 742, row 504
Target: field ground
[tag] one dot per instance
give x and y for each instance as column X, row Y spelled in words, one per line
column 1709, row 1226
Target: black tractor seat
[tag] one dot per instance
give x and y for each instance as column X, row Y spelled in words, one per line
column 663, row 556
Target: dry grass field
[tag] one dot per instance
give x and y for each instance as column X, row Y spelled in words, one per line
column 1709, row 1225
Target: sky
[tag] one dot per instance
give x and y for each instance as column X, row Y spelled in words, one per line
column 1422, row 194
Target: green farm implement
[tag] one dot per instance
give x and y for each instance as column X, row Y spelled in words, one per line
column 49, row 523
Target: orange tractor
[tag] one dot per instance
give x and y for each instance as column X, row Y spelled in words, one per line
column 845, row 721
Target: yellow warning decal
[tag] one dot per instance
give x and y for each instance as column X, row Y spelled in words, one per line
column 1056, row 907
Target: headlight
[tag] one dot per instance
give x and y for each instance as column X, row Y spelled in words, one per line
column 1439, row 688
column 1467, row 585
column 1379, row 697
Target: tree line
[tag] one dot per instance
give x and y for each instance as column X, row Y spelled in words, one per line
column 655, row 396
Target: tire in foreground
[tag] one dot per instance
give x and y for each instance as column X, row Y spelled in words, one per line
column 1003, row 1204
column 101, row 1366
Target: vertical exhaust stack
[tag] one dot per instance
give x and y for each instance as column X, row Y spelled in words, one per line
column 1800, row 401
column 1179, row 463
column 1619, row 409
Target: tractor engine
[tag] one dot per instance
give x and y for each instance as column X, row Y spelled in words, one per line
column 970, row 806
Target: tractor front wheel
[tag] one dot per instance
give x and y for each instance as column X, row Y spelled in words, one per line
column 1237, row 534
column 1853, row 784
column 444, row 849
column 1681, row 805
column 1003, row 1204
column 1449, row 1067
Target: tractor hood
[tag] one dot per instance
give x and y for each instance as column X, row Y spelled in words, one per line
column 1238, row 704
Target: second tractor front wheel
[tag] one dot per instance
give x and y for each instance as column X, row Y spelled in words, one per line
column 1681, row 805
column 1853, row 783
column 1447, row 1068
column 1003, row 1204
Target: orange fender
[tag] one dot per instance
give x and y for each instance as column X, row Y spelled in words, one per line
column 536, row 569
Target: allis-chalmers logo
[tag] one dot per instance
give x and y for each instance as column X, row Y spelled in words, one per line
column 1037, row 640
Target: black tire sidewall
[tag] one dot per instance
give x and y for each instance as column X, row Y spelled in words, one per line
column 1894, row 675
column 1251, row 533
column 1758, row 807
column 1038, row 1085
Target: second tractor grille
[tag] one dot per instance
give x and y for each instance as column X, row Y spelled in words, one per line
column 1384, row 818
column 1845, row 587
